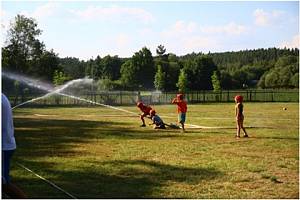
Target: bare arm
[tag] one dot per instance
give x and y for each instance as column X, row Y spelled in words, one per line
column 174, row 100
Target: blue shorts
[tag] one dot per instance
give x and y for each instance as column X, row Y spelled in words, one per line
column 6, row 157
column 181, row 117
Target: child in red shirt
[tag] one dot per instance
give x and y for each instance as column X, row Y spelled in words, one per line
column 181, row 109
column 146, row 111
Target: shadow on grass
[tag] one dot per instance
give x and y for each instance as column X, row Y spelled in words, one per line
column 124, row 179
column 58, row 136
column 47, row 138
column 275, row 138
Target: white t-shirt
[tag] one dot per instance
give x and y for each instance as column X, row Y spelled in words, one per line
column 8, row 138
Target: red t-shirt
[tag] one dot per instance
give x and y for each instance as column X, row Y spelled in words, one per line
column 146, row 109
column 181, row 105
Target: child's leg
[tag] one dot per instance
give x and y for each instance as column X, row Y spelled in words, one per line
column 238, row 128
column 182, row 117
column 242, row 126
column 182, row 125
column 142, row 118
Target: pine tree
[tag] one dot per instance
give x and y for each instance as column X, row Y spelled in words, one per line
column 159, row 80
column 216, row 82
column 182, row 81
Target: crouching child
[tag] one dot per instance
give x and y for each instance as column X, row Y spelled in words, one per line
column 157, row 122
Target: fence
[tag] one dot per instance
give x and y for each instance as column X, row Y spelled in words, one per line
column 118, row 98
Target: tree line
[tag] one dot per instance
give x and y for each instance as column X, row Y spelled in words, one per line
column 259, row 68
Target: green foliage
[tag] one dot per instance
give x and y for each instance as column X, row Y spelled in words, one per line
column 107, row 84
column 138, row 72
column 262, row 81
column 225, row 80
column 171, row 68
column 216, row 82
column 285, row 74
column 250, row 67
column 24, row 53
column 59, row 78
column 182, row 81
column 128, row 74
column 199, row 71
column 72, row 67
column 159, row 80
column 108, row 67
column 295, row 80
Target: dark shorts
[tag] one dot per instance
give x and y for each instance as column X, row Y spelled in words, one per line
column 6, row 157
column 144, row 115
column 181, row 117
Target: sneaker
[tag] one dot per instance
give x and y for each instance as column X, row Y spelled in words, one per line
column 246, row 136
column 143, row 125
column 237, row 137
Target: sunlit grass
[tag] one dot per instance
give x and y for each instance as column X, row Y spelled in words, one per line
column 98, row 152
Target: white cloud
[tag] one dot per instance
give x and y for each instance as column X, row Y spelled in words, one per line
column 180, row 28
column 47, row 10
column 263, row 18
column 185, row 36
column 114, row 13
column 199, row 42
column 230, row 29
column 293, row 43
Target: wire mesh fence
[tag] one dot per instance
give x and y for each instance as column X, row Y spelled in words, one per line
column 123, row 98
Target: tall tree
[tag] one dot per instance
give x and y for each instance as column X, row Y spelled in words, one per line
column 182, row 81
column 139, row 70
column 25, row 54
column 199, row 71
column 110, row 67
column 23, row 45
column 128, row 75
column 72, row 67
column 159, row 80
column 216, row 82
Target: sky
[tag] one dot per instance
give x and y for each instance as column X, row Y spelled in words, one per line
column 86, row 29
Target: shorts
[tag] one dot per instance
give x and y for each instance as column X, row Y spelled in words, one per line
column 144, row 115
column 181, row 117
column 6, row 157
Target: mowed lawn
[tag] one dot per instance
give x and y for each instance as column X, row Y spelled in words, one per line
column 97, row 152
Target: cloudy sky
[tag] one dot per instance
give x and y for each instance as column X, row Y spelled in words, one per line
column 85, row 29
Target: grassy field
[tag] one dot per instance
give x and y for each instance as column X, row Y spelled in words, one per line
column 99, row 152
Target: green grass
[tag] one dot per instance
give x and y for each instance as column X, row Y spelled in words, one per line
column 94, row 153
